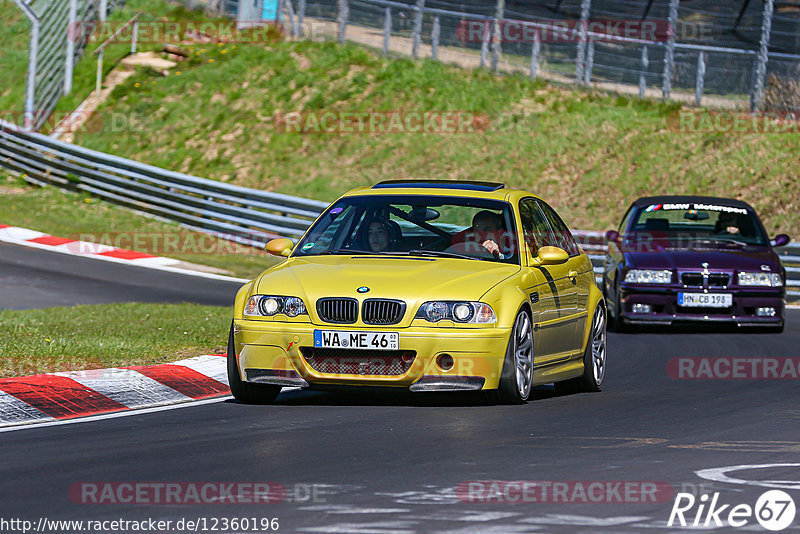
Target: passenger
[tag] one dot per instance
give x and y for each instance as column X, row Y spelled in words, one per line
column 379, row 234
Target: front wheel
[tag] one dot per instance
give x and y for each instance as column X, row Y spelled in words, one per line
column 594, row 358
column 516, row 382
column 243, row 391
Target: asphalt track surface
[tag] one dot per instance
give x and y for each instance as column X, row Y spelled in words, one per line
column 390, row 463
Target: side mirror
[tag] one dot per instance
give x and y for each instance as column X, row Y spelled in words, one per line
column 780, row 240
column 280, row 247
column 551, row 256
column 612, row 235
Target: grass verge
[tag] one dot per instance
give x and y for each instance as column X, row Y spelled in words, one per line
column 588, row 153
column 108, row 335
column 82, row 217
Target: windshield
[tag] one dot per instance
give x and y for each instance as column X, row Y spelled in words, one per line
column 687, row 224
column 435, row 226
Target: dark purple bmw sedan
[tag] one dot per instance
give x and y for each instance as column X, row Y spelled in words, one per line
column 692, row 258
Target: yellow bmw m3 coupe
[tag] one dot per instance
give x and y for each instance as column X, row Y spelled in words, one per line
column 427, row 286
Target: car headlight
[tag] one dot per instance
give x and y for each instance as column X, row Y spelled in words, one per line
column 647, row 276
column 268, row 305
column 460, row 312
column 760, row 279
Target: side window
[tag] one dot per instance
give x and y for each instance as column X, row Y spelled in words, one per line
column 563, row 237
column 536, row 231
column 623, row 227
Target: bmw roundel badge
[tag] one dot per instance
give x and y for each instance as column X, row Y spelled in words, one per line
column 363, row 289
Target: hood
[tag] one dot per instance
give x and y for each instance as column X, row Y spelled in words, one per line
column 411, row 279
column 750, row 258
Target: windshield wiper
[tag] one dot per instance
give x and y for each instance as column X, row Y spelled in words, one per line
column 441, row 254
column 721, row 240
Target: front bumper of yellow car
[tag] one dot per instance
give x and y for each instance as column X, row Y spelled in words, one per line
column 429, row 357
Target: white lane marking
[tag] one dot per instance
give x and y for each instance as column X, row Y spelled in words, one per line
column 114, row 415
column 378, row 527
column 720, row 474
column 128, row 413
column 583, row 520
column 468, row 516
column 126, row 386
column 14, row 411
column 212, row 366
column 352, row 509
column 495, row 529
column 439, row 496
column 9, row 235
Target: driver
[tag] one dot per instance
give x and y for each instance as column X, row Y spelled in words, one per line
column 728, row 223
column 487, row 229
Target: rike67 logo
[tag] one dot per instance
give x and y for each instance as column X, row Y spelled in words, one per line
column 774, row 510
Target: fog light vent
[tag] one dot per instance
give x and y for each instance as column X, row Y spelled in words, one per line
column 765, row 312
column 445, row 362
column 642, row 308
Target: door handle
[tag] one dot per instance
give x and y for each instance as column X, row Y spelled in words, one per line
column 572, row 275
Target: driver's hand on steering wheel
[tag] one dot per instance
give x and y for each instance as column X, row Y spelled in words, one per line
column 492, row 247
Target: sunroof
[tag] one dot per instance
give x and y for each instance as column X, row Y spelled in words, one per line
column 440, row 184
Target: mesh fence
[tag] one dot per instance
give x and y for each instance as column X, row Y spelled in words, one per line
column 715, row 52
column 51, row 34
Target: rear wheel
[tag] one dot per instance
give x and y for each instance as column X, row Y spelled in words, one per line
column 516, row 382
column 594, row 358
column 244, row 391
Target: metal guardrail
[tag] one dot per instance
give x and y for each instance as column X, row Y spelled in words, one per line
column 595, row 246
column 238, row 213
column 233, row 212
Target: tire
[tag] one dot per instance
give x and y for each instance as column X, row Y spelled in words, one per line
column 244, row 391
column 616, row 321
column 516, row 381
column 594, row 359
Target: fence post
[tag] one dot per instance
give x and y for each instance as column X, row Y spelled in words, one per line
column 487, row 32
column 103, row 10
column 30, row 82
column 701, row 77
column 586, row 6
column 763, row 56
column 417, row 37
column 587, row 71
column 643, row 73
column 99, row 81
column 387, row 30
column 497, row 38
column 292, row 20
column 537, row 46
column 437, row 29
column 344, row 13
column 301, row 15
column 72, row 34
column 669, row 53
